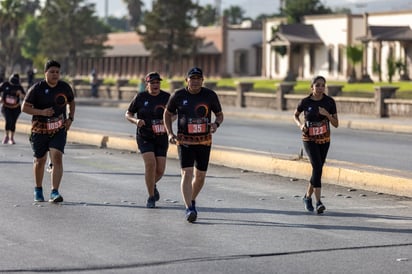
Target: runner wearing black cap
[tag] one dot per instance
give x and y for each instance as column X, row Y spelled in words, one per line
column 11, row 92
column 146, row 112
column 47, row 101
column 193, row 105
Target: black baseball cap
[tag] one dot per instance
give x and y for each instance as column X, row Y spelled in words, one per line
column 152, row 76
column 15, row 79
column 195, row 71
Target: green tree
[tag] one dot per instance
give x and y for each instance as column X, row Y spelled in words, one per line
column 296, row 9
column 70, row 29
column 354, row 55
column 12, row 15
column 31, row 36
column 234, row 15
column 169, row 34
column 207, row 15
column 135, row 12
column 118, row 24
column 391, row 64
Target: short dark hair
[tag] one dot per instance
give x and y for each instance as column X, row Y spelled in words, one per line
column 51, row 63
column 317, row 78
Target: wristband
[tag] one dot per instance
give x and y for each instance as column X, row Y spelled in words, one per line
column 217, row 124
column 71, row 118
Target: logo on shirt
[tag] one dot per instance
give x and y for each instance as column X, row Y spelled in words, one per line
column 146, row 103
column 185, row 102
column 46, row 91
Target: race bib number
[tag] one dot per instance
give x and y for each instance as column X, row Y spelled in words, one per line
column 11, row 100
column 53, row 124
column 158, row 127
column 196, row 126
column 316, row 129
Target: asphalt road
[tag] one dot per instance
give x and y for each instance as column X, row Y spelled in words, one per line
column 380, row 149
column 248, row 222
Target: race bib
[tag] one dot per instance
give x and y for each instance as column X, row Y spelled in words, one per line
column 317, row 128
column 158, row 127
column 197, row 126
column 54, row 123
column 10, row 100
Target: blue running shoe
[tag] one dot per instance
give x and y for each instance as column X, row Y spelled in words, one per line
column 156, row 194
column 151, row 202
column 308, row 204
column 38, row 194
column 191, row 215
column 320, row 207
column 55, row 197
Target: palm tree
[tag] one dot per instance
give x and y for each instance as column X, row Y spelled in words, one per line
column 354, row 55
column 11, row 17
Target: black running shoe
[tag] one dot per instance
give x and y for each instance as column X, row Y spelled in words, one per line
column 151, row 202
column 320, row 207
column 308, row 204
column 191, row 215
column 156, row 194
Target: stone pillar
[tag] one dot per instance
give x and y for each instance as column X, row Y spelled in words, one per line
column 334, row 90
column 120, row 83
column 241, row 88
column 282, row 89
column 175, row 84
column 381, row 93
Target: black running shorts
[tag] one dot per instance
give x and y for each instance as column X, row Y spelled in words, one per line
column 189, row 155
column 41, row 143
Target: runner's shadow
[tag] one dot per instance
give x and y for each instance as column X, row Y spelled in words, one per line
column 255, row 223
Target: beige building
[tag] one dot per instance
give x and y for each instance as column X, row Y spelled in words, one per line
column 318, row 46
column 225, row 51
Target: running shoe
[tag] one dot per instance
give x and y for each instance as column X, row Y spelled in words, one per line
column 49, row 168
column 156, row 194
column 151, row 202
column 55, row 197
column 320, row 207
column 6, row 140
column 191, row 215
column 12, row 142
column 194, row 206
column 308, row 204
column 38, row 194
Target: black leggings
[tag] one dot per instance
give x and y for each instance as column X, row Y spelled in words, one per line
column 317, row 155
column 11, row 115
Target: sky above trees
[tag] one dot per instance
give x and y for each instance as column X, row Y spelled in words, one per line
column 117, row 8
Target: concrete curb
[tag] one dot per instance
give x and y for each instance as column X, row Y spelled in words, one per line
column 335, row 172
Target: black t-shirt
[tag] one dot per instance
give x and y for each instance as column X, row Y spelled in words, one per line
column 8, row 92
column 194, row 113
column 150, row 108
column 318, row 125
column 42, row 96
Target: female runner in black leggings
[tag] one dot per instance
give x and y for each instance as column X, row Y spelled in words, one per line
column 319, row 111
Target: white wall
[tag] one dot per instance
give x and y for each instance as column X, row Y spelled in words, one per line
column 243, row 39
